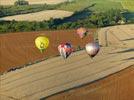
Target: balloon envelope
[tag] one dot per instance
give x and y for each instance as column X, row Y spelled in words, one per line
column 65, row 50
column 42, row 43
column 81, row 32
column 92, row 49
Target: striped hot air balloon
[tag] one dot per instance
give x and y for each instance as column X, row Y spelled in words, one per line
column 65, row 49
column 92, row 49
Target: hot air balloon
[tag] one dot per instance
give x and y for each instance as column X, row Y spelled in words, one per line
column 65, row 49
column 81, row 32
column 42, row 43
column 92, row 49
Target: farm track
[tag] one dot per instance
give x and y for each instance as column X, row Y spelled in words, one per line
column 55, row 75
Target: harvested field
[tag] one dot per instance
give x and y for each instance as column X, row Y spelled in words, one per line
column 11, row 2
column 18, row 48
column 39, row 16
column 55, row 75
column 119, row 86
column 119, row 36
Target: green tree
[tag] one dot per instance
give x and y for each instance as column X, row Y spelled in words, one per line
column 21, row 2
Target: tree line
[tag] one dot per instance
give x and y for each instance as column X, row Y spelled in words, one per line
column 21, row 2
column 95, row 20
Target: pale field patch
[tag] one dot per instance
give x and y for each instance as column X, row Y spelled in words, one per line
column 39, row 16
column 128, row 4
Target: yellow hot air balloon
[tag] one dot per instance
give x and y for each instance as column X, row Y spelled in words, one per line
column 42, row 43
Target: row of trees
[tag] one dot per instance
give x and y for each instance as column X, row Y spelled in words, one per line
column 21, row 2
column 111, row 17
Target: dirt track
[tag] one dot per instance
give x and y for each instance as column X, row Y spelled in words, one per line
column 55, row 75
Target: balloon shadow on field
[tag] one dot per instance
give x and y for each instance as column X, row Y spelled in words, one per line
column 131, row 58
column 124, row 51
column 128, row 39
column 78, row 15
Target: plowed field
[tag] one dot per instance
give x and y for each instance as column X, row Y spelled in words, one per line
column 18, row 48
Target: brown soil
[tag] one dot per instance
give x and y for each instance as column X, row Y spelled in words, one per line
column 17, row 49
column 119, row 86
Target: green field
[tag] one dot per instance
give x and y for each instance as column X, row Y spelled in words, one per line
column 75, row 5
column 98, row 5
column 128, row 4
column 94, row 5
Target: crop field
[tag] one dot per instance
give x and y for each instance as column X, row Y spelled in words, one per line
column 128, row 4
column 95, row 5
column 18, row 49
column 113, row 87
column 67, row 9
column 55, row 75
column 39, row 16
column 11, row 2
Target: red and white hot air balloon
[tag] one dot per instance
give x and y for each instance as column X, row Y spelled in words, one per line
column 92, row 49
column 65, row 49
column 81, row 32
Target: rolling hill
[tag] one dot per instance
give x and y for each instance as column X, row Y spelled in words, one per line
column 56, row 74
